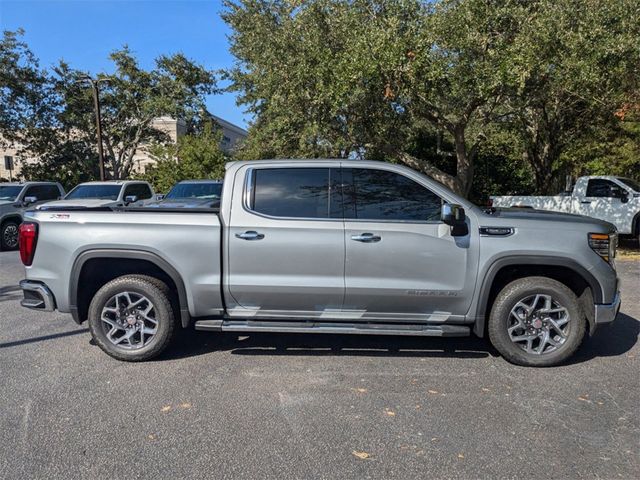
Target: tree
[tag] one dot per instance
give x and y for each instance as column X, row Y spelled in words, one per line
column 131, row 99
column 24, row 93
column 195, row 156
column 578, row 64
column 362, row 77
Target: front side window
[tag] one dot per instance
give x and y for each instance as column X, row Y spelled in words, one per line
column 295, row 192
column 382, row 195
column 601, row 188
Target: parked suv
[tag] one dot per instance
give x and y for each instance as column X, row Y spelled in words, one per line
column 14, row 199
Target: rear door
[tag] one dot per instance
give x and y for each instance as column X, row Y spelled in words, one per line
column 401, row 261
column 286, row 243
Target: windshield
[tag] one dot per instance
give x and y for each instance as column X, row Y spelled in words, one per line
column 9, row 192
column 102, row 192
column 635, row 186
column 204, row 191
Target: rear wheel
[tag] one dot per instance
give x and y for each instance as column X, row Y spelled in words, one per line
column 9, row 235
column 537, row 322
column 131, row 318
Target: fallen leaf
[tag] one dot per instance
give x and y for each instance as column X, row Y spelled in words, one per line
column 460, row 455
column 165, row 409
column 360, row 390
column 418, row 407
column 600, row 403
column 433, row 392
column 485, row 389
column 389, row 412
column 582, row 399
column 185, row 405
column 361, row 455
column 151, row 436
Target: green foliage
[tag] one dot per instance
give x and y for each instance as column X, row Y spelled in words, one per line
column 69, row 162
column 383, row 78
column 195, row 156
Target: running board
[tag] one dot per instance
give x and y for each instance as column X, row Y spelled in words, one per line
column 240, row 326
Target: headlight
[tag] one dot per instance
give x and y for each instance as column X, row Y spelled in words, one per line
column 604, row 244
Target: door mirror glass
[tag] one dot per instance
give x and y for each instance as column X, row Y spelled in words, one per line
column 29, row 200
column 454, row 216
column 130, row 199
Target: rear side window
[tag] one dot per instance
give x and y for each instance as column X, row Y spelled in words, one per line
column 296, row 192
column 43, row 192
column 382, row 195
column 140, row 190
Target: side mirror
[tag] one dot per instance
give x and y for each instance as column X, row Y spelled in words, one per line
column 28, row 201
column 130, row 199
column 454, row 216
column 160, row 196
column 624, row 196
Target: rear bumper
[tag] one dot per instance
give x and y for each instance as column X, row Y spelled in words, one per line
column 606, row 312
column 37, row 296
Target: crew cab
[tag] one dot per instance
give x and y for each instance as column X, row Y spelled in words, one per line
column 107, row 193
column 614, row 199
column 325, row 246
column 14, row 199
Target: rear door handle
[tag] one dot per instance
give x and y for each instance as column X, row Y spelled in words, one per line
column 586, row 201
column 366, row 238
column 250, row 235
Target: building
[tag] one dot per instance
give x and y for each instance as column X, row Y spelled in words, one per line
column 231, row 136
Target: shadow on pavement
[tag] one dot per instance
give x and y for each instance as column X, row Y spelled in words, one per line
column 609, row 341
column 43, row 338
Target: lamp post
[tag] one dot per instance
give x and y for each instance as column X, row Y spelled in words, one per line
column 94, row 82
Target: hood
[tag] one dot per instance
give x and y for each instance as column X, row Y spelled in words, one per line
column 529, row 214
column 185, row 203
column 4, row 203
column 82, row 202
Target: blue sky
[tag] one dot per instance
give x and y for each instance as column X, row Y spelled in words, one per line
column 84, row 32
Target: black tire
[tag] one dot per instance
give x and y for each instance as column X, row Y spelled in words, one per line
column 499, row 321
column 9, row 235
column 157, row 293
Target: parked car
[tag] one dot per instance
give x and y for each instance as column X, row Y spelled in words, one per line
column 106, row 194
column 191, row 194
column 14, row 199
column 326, row 246
column 614, row 199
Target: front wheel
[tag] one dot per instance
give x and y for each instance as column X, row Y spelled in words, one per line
column 536, row 322
column 131, row 318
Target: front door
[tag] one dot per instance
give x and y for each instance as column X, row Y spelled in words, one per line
column 402, row 264
column 286, row 243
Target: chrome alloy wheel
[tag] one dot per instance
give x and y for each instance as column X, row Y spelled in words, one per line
column 538, row 324
column 129, row 320
column 10, row 235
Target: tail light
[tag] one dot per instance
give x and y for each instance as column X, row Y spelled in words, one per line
column 604, row 245
column 28, row 239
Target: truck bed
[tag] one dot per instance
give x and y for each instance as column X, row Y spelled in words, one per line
column 188, row 241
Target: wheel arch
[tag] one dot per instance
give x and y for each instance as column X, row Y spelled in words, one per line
column 565, row 270
column 107, row 264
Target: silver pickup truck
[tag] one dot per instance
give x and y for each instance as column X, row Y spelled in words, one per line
column 326, row 246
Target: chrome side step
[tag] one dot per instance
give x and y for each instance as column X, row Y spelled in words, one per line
column 333, row 327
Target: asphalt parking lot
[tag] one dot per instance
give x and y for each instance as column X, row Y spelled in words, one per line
column 312, row 406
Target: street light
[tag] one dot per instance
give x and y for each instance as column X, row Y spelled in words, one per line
column 96, row 105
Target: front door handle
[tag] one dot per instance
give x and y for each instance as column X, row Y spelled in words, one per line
column 586, row 201
column 250, row 235
column 366, row 238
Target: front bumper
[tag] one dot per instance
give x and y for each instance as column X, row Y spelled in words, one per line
column 37, row 296
column 606, row 312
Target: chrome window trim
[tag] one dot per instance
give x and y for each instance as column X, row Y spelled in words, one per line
column 248, row 191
